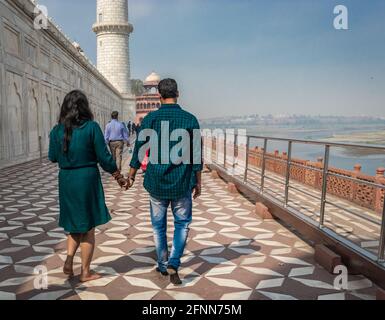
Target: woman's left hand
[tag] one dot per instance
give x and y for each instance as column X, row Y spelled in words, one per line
column 120, row 179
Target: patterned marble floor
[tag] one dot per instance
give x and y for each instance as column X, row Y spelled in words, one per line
column 231, row 253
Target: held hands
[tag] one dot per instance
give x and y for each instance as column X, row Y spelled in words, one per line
column 129, row 182
column 123, row 183
column 119, row 179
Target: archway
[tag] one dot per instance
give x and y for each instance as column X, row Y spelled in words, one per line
column 15, row 120
column 46, row 122
column 33, row 123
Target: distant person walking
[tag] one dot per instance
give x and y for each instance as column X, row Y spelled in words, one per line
column 131, row 135
column 130, row 127
column 138, row 126
column 135, row 130
column 116, row 136
column 169, row 183
column 77, row 145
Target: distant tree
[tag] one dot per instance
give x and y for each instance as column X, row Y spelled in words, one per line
column 137, row 87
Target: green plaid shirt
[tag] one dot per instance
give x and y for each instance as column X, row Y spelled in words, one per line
column 169, row 181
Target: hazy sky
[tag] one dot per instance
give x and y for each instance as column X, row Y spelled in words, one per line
column 238, row 57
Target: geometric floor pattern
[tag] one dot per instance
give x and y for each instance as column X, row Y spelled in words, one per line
column 231, row 253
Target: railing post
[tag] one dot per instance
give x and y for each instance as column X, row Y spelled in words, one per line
column 235, row 147
column 217, row 148
column 325, row 175
column 206, row 146
column 225, row 150
column 247, row 158
column 263, row 165
column 212, row 148
column 206, row 149
column 288, row 168
column 380, row 179
column 381, row 248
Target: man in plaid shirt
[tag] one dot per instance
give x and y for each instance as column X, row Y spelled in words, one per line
column 172, row 178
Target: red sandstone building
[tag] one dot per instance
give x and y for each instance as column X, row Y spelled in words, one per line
column 150, row 100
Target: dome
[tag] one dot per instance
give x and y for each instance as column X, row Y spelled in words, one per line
column 153, row 77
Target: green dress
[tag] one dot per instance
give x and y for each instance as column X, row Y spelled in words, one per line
column 81, row 194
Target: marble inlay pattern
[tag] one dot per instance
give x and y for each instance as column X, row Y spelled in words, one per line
column 231, row 253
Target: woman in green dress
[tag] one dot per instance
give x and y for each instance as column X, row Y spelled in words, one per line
column 77, row 145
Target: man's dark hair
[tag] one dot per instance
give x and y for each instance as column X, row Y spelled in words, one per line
column 115, row 115
column 168, row 89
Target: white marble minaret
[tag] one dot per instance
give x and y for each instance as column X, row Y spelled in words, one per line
column 112, row 31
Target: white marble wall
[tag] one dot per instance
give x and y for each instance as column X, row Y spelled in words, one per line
column 113, row 59
column 37, row 69
column 113, row 52
column 112, row 12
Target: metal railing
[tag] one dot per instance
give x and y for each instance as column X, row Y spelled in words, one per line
column 212, row 152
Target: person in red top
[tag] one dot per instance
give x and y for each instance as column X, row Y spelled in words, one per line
column 145, row 162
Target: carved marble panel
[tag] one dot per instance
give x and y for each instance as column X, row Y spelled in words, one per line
column 46, row 116
column 44, row 59
column 11, row 40
column 33, row 117
column 14, row 112
column 56, row 67
column 30, row 51
column 58, row 100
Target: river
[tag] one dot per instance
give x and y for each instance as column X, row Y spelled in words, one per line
column 344, row 158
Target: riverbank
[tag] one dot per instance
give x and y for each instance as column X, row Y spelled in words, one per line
column 370, row 138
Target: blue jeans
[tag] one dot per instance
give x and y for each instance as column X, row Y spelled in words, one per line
column 182, row 211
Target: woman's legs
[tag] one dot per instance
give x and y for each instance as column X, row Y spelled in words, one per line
column 73, row 243
column 86, row 241
column 87, row 246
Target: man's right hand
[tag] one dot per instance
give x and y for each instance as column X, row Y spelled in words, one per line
column 197, row 191
column 131, row 178
column 130, row 183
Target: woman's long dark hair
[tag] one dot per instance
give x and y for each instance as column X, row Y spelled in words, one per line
column 74, row 111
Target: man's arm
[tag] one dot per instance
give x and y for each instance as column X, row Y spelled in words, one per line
column 107, row 134
column 198, row 187
column 134, row 166
column 197, row 158
column 135, row 161
column 125, row 133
